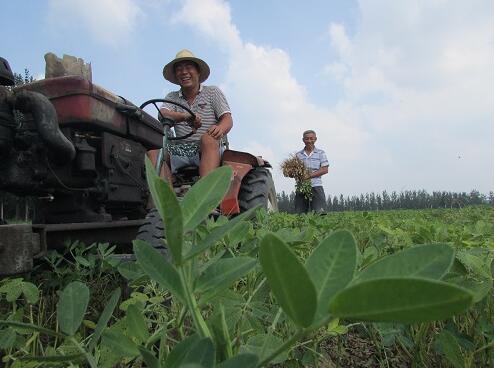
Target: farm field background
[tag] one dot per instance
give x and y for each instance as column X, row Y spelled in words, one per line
column 251, row 319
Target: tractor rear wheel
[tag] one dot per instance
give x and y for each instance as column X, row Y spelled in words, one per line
column 258, row 189
column 152, row 232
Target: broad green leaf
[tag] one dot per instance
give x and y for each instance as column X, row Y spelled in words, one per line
column 148, row 358
column 7, row 338
column 331, row 267
column 105, row 317
column 177, row 355
column 158, row 269
column 479, row 288
column 238, row 234
column 31, row 292
column 245, row 360
column 130, row 270
column 431, row 261
column 136, row 324
column 169, row 209
column 262, row 346
column 475, row 264
column 201, row 353
column 12, row 289
column 223, row 273
column 219, row 232
column 447, row 344
column 404, row 300
column 72, row 306
column 289, row 280
column 119, row 344
column 204, row 196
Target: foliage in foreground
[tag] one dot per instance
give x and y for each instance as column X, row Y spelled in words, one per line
column 236, row 296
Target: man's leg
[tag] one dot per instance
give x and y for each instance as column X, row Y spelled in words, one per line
column 301, row 204
column 318, row 202
column 210, row 155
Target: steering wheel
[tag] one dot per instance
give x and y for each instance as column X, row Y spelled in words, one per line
column 168, row 121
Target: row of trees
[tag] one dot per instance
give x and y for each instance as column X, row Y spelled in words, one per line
column 410, row 199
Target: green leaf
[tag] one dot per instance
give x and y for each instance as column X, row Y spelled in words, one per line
column 158, row 269
column 12, row 289
column 169, row 209
column 475, row 264
column 130, row 270
column 201, row 353
column 105, row 317
column 204, row 196
column 331, row 267
column 289, row 280
column 136, row 324
column 178, row 353
column 263, row 345
column 148, row 358
column 7, row 338
column 192, row 351
column 448, row 346
column 72, row 306
column 119, row 344
column 219, row 232
column 245, row 360
column 431, row 261
column 223, row 273
column 31, row 292
column 238, row 234
column 404, row 300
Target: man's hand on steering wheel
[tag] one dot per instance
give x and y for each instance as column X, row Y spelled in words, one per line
column 194, row 121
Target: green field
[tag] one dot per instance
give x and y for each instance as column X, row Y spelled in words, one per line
column 348, row 289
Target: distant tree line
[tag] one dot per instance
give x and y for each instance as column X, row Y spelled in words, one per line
column 409, row 199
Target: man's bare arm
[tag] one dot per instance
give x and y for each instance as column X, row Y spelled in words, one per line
column 224, row 125
column 322, row 171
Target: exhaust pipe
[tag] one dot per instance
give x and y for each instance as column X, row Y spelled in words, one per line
column 45, row 118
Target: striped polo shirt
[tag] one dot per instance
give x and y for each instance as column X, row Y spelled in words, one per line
column 210, row 104
column 314, row 161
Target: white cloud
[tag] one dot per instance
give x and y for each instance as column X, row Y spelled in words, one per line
column 107, row 21
column 419, row 77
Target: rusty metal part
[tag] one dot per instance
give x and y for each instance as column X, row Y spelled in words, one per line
column 18, row 245
column 229, row 205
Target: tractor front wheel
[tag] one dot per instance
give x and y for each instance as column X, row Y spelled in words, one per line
column 258, row 189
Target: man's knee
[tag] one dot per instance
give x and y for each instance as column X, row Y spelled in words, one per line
column 208, row 142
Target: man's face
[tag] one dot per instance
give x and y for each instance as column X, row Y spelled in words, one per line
column 309, row 140
column 187, row 74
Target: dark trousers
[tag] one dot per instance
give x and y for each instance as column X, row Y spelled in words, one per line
column 316, row 204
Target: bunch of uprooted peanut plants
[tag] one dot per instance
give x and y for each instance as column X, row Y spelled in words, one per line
column 293, row 167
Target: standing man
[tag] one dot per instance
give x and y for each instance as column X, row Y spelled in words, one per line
column 213, row 117
column 316, row 161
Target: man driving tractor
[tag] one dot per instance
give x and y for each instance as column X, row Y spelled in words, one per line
column 213, row 118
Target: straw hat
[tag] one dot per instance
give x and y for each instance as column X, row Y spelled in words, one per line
column 183, row 55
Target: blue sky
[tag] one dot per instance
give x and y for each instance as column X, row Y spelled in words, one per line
column 400, row 93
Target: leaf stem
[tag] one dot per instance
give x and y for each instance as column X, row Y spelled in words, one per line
column 201, row 326
column 89, row 357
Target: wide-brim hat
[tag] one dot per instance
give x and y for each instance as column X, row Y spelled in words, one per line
column 184, row 55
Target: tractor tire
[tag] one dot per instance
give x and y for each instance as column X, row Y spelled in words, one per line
column 152, row 232
column 258, row 188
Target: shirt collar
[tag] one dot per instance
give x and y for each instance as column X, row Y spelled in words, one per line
column 180, row 94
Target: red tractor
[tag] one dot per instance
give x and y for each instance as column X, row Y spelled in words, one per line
column 78, row 151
